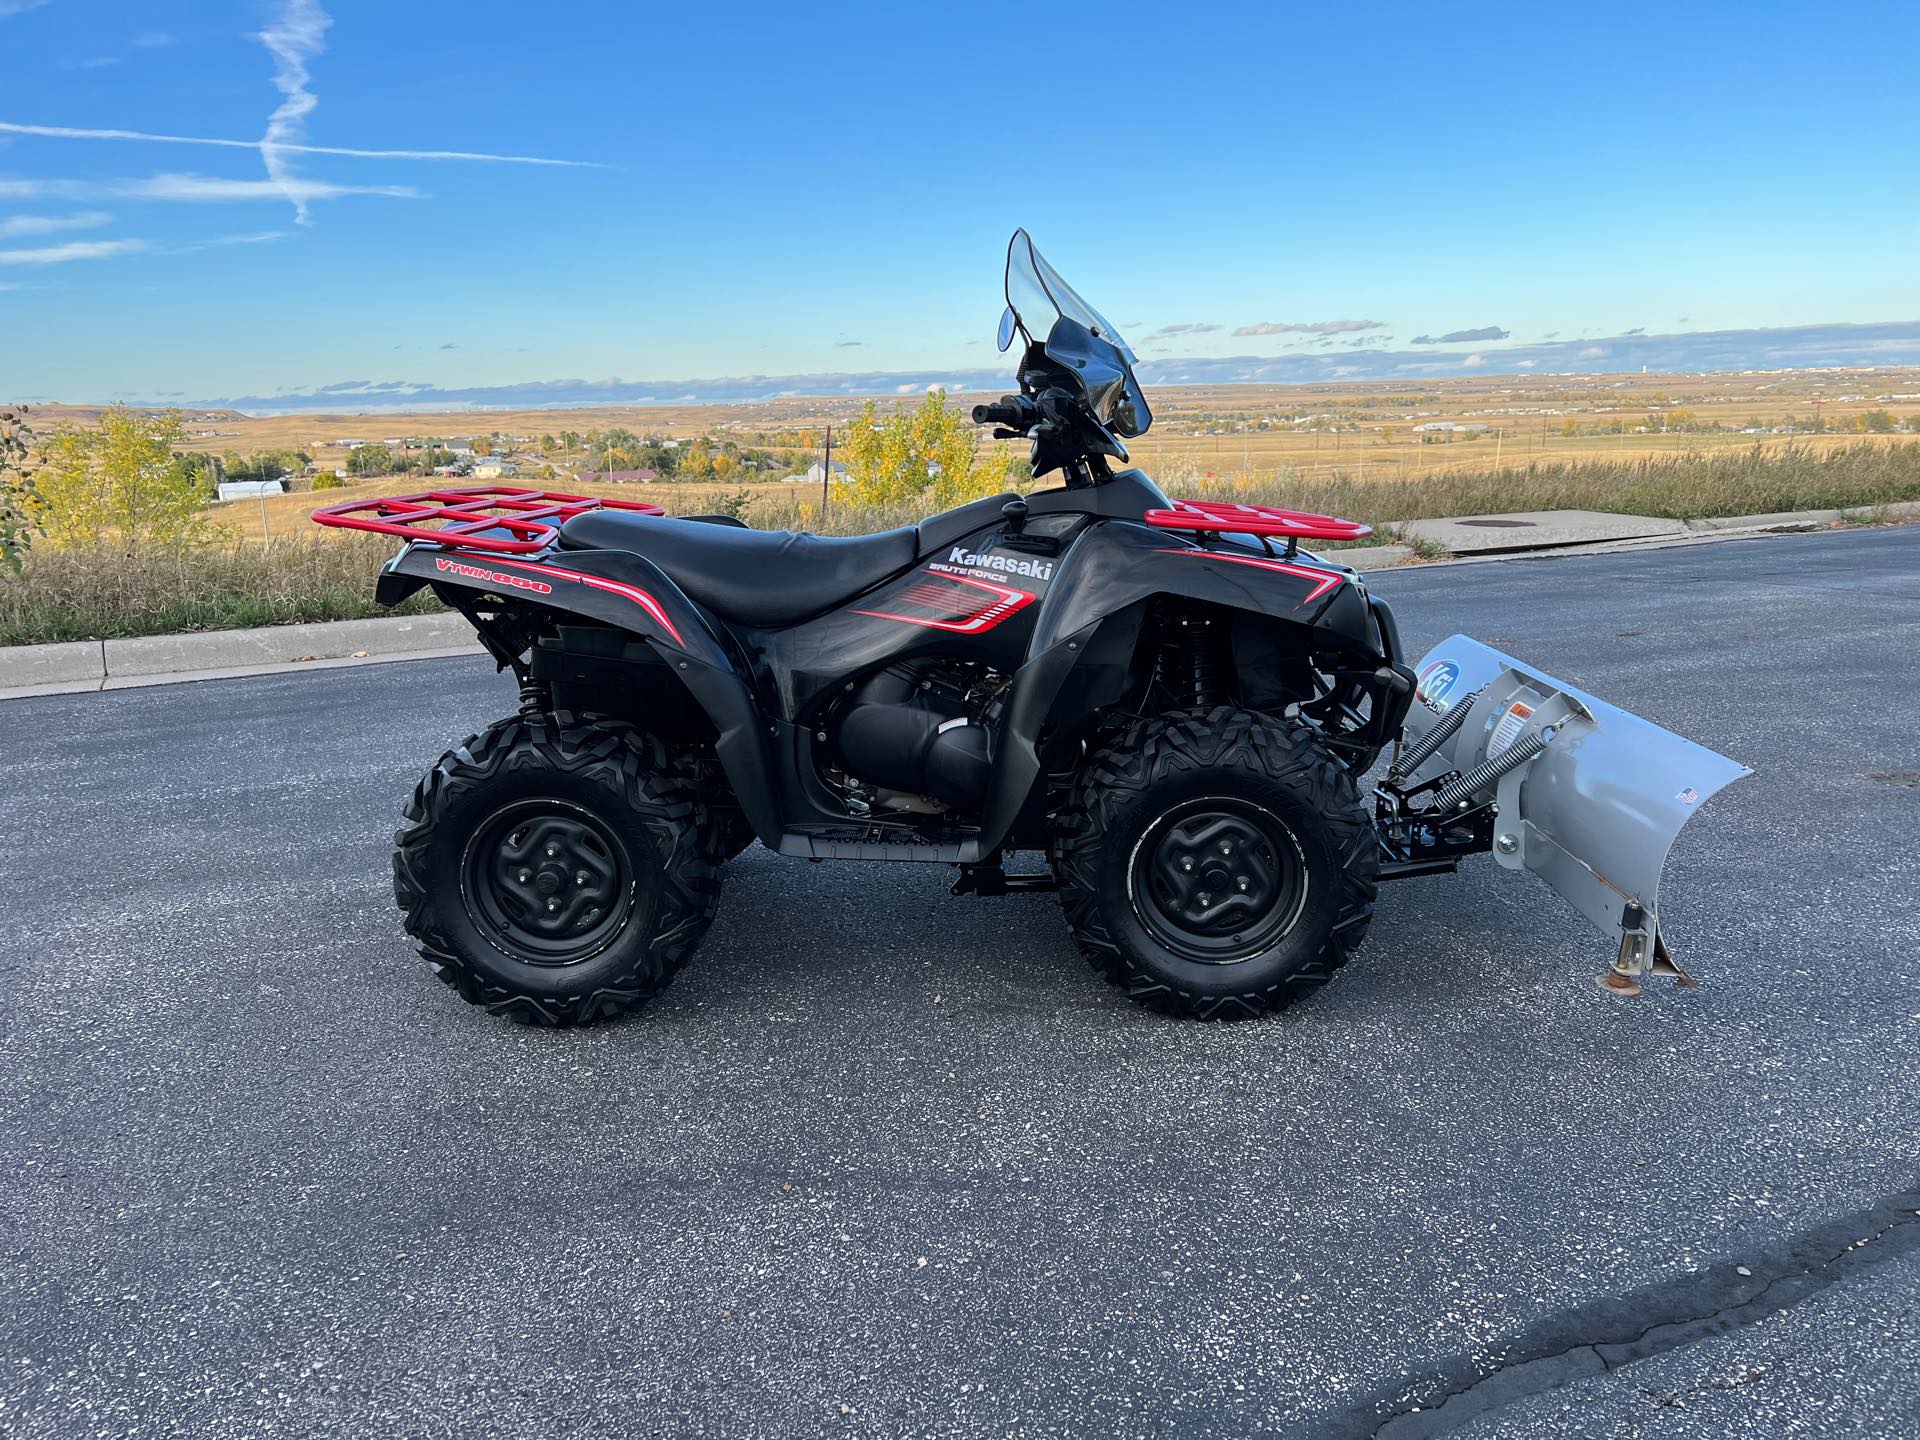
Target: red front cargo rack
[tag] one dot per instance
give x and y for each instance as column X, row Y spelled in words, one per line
column 1226, row 517
column 531, row 518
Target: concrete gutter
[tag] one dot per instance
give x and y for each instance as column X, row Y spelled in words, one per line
column 222, row 654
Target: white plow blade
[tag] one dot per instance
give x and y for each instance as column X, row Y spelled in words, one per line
column 1595, row 812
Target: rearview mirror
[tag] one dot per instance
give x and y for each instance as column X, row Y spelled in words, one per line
column 1007, row 321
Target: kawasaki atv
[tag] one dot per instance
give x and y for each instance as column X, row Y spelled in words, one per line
column 1173, row 701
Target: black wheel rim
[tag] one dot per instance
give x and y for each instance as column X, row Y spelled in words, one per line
column 547, row 882
column 1218, row 880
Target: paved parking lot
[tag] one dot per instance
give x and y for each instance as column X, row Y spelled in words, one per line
column 887, row 1162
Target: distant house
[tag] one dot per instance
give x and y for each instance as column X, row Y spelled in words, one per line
column 492, row 467
column 460, row 452
column 813, row 474
column 247, row 489
column 621, row 477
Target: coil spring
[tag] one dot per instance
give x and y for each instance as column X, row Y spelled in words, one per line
column 1204, row 663
column 1463, row 787
column 1428, row 745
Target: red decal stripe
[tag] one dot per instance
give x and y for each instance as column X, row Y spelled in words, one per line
column 1324, row 580
column 1008, row 601
column 613, row 587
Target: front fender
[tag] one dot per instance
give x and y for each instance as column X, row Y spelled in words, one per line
column 1106, row 575
column 1118, row 564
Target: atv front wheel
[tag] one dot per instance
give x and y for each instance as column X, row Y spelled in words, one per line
column 1218, row 864
column 556, row 871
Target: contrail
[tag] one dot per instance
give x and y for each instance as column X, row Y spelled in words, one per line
column 296, row 37
column 69, row 132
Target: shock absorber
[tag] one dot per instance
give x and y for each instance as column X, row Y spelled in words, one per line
column 1205, row 664
column 1428, row 745
column 1464, row 787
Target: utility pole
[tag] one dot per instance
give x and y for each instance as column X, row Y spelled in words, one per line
column 826, row 475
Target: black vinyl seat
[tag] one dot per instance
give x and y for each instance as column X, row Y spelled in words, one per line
column 752, row 577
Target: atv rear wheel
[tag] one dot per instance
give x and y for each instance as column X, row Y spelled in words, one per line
column 1218, row 863
column 556, row 871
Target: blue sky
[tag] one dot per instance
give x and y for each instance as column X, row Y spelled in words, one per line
column 796, row 190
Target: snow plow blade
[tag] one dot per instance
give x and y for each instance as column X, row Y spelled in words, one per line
column 1498, row 755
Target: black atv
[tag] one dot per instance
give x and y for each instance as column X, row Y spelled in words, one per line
column 1172, row 700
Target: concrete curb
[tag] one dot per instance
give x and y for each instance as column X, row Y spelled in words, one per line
column 82, row 665
column 218, row 654
column 1810, row 519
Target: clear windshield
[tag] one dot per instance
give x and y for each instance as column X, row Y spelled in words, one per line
column 1075, row 336
column 1038, row 296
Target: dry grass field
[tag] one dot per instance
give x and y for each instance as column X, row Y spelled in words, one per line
column 1259, row 437
column 1679, row 446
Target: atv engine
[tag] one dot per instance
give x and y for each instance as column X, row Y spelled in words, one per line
column 920, row 733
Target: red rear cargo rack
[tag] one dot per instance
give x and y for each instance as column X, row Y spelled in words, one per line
column 1226, row 517
column 531, row 518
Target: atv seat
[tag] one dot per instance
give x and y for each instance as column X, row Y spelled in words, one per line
column 751, row 577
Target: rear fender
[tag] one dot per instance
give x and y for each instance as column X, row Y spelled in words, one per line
column 631, row 593
column 613, row 587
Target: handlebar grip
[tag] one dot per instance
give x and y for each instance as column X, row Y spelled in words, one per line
column 1014, row 411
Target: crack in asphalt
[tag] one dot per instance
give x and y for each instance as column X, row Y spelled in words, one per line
column 1607, row 1334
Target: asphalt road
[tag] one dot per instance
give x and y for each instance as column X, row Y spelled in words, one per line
column 886, row 1162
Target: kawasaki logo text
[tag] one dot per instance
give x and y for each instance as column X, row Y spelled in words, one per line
column 1006, row 564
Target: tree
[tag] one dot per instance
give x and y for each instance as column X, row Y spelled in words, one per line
column 656, row 457
column 1878, row 422
column 370, row 460
column 909, row 453
column 121, row 482
column 204, row 473
column 18, row 499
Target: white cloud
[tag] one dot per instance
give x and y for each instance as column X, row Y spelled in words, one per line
column 73, row 132
column 1308, row 327
column 167, row 187
column 151, row 40
column 212, row 187
column 18, row 7
column 71, row 250
column 253, row 237
column 297, row 36
column 51, row 224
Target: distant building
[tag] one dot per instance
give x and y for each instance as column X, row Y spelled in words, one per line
column 492, row 467
column 813, row 474
column 247, row 489
column 621, row 477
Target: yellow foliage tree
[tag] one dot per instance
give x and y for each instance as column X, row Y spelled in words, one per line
column 120, row 483
column 929, row 452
